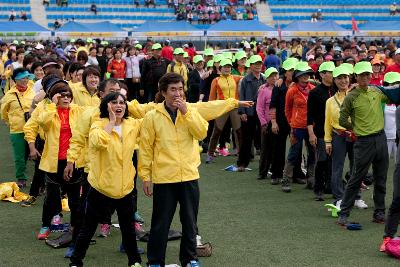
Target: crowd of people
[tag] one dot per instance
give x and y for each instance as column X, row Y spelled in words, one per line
column 95, row 115
column 208, row 12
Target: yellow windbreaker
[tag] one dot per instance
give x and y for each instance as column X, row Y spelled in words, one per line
column 32, row 128
column 82, row 96
column 12, row 112
column 50, row 122
column 332, row 111
column 181, row 69
column 169, row 153
column 111, row 169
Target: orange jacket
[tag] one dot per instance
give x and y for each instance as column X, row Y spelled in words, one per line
column 296, row 106
column 224, row 87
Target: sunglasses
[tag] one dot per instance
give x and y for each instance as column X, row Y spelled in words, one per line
column 66, row 94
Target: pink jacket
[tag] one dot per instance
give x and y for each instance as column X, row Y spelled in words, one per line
column 263, row 101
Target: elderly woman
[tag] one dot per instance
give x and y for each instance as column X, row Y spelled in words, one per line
column 15, row 112
column 56, row 120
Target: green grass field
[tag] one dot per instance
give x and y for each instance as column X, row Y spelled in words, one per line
column 249, row 223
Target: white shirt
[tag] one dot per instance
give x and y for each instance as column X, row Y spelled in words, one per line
column 132, row 66
column 93, row 61
column 37, row 86
column 390, row 121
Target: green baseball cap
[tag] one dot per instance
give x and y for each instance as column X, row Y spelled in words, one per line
column 228, row 55
column 269, row 71
column 349, row 67
column 341, row 70
column 290, row 63
column 185, row 54
column 179, row 51
column 156, row 46
column 138, row 46
column 392, row 77
column 326, row 66
column 302, row 68
column 72, row 40
column 15, row 42
column 209, row 52
column 225, row 62
column 240, row 54
column 362, row 67
column 22, row 42
column 210, row 63
column 89, row 40
column 254, row 59
column 218, row 57
column 197, row 59
column 247, row 64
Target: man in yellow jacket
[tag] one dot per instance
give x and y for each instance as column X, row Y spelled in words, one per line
column 169, row 159
column 178, row 66
column 14, row 109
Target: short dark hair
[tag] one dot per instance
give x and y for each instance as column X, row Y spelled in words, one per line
column 28, row 60
column 103, row 84
column 20, row 51
column 75, row 66
column 168, row 79
column 107, row 99
column 36, row 65
column 115, row 51
column 9, row 53
column 89, row 70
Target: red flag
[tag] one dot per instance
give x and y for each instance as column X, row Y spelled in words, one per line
column 279, row 31
column 354, row 25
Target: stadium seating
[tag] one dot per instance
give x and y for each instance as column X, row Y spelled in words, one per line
column 341, row 11
column 17, row 5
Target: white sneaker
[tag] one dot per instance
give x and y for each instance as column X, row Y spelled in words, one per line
column 338, row 203
column 359, row 203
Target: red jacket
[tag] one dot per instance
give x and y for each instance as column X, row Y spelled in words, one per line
column 167, row 52
column 120, row 67
column 395, row 68
column 296, row 106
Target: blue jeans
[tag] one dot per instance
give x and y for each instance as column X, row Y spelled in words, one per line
column 295, row 149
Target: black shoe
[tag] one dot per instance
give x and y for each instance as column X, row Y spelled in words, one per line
column 286, row 186
column 261, row 177
column 299, row 181
column 342, row 220
column 379, row 217
column 319, row 196
column 274, row 181
column 21, row 183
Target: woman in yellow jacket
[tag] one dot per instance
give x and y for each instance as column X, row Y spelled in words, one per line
column 56, row 120
column 14, row 111
column 112, row 141
column 169, row 158
column 85, row 93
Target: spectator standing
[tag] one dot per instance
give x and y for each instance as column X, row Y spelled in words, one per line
column 152, row 70
column 396, row 66
column 132, row 78
column 249, row 91
column 178, row 65
column 117, row 66
column 315, row 123
column 393, row 9
column 194, row 79
column 364, row 105
column 167, row 51
column 377, row 75
column 272, row 60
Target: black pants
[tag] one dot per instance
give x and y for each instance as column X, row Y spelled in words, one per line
column 267, row 152
column 165, row 199
column 81, row 209
column 96, row 208
column 52, row 202
column 133, row 89
column 323, row 169
column 368, row 150
column 149, row 93
column 248, row 132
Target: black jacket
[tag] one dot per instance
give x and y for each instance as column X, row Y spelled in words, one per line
column 193, row 86
column 316, row 108
column 278, row 99
column 152, row 70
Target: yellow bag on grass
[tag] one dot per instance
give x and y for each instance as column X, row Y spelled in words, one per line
column 10, row 192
